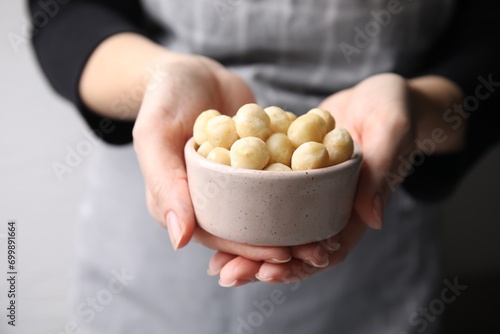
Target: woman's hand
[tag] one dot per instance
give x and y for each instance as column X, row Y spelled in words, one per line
column 385, row 114
column 188, row 86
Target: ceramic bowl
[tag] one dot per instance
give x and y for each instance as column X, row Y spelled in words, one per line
column 271, row 208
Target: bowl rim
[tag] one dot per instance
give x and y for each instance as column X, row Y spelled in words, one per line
column 190, row 153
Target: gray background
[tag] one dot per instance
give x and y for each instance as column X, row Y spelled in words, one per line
column 36, row 129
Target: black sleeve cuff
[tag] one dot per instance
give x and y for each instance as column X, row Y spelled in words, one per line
column 468, row 55
column 65, row 41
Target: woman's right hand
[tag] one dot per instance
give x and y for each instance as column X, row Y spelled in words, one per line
column 188, row 85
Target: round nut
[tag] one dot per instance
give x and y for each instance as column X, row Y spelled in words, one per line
column 221, row 131
column 280, row 148
column 220, row 155
column 252, row 121
column 279, row 119
column 204, row 149
column 306, row 128
column 310, row 155
column 327, row 117
column 291, row 116
column 249, row 153
column 339, row 144
column 277, row 167
column 200, row 125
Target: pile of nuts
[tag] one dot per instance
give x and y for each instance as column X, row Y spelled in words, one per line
column 272, row 139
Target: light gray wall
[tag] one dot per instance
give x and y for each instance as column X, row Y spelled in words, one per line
column 36, row 129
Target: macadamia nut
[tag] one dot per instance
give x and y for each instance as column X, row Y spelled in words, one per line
column 310, row 155
column 327, row 117
column 306, row 128
column 277, row 167
column 204, row 149
column 272, row 139
column 280, row 149
column 221, row 131
column 339, row 144
column 200, row 125
column 249, row 153
column 252, row 121
column 279, row 119
column 291, row 116
column 220, row 155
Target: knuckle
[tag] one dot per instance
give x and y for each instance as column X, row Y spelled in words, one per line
column 155, row 204
column 152, row 208
column 402, row 121
column 155, row 189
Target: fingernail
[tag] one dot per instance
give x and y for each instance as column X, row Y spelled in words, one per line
column 377, row 212
column 174, row 229
column 332, row 247
column 230, row 285
column 263, row 279
column 212, row 273
column 279, row 261
column 318, row 264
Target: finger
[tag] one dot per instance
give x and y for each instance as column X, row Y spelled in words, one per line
column 238, row 271
column 239, row 92
column 317, row 254
column 218, row 261
column 161, row 160
column 293, row 271
column 348, row 238
column 256, row 253
column 381, row 147
column 312, row 254
column 297, row 270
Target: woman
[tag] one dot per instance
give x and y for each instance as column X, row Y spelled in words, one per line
column 387, row 70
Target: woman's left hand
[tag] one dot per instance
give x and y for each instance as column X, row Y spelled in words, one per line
column 385, row 114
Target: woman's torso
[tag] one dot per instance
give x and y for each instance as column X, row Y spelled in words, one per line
column 290, row 53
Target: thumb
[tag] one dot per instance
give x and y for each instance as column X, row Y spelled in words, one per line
column 175, row 205
column 168, row 198
column 377, row 180
column 371, row 195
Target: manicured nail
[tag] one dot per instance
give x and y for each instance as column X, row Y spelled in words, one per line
column 280, row 261
column 174, row 229
column 291, row 279
column 212, row 273
column 377, row 212
column 263, row 279
column 317, row 264
column 230, row 285
column 331, row 247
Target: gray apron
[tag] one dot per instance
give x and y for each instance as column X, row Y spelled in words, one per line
column 127, row 278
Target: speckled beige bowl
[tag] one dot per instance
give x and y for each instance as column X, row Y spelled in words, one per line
column 268, row 207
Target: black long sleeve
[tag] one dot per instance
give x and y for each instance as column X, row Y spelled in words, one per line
column 466, row 51
column 70, row 35
column 467, row 54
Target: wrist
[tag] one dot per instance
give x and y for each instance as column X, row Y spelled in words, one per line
column 431, row 98
column 115, row 77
